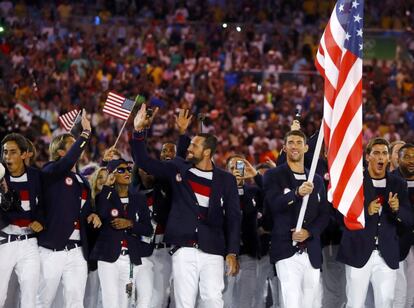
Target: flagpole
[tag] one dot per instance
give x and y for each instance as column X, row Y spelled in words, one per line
column 312, row 171
column 74, row 121
column 138, row 98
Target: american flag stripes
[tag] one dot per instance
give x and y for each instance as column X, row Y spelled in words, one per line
column 118, row 106
column 67, row 120
column 339, row 60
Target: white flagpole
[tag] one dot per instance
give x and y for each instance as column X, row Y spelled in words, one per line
column 120, row 133
column 305, row 199
column 74, row 121
column 137, row 98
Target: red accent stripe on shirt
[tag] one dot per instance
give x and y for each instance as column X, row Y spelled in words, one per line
column 24, row 195
column 200, row 189
column 21, row 222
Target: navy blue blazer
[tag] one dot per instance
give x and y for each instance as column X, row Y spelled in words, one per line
column 405, row 234
column 220, row 232
column 279, row 186
column 62, row 195
column 109, row 206
column 27, row 191
column 357, row 245
column 249, row 203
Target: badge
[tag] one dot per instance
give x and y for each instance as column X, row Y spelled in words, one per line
column 326, row 176
column 114, row 213
column 286, row 190
column 178, row 177
column 68, row 181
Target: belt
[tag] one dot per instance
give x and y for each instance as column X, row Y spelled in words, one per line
column 301, row 250
column 15, row 237
column 124, row 252
column 162, row 245
column 69, row 246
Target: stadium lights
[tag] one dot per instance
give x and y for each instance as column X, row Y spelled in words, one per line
column 238, row 29
column 224, row 26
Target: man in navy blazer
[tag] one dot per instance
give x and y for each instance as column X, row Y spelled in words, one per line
column 204, row 221
column 240, row 290
column 297, row 267
column 20, row 207
column 372, row 254
column 63, row 242
column 404, row 289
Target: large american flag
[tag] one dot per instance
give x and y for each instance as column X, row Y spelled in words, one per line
column 118, row 106
column 339, row 60
column 68, row 119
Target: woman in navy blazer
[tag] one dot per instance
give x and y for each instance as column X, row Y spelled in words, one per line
column 125, row 218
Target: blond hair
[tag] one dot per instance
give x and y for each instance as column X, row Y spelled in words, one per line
column 58, row 143
column 93, row 182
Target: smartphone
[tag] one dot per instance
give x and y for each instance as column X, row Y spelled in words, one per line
column 201, row 117
column 240, row 165
column 149, row 112
column 298, row 113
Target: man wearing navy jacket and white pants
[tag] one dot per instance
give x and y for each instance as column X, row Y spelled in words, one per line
column 372, row 254
column 63, row 244
column 18, row 245
column 297, row 267
column 204, row 221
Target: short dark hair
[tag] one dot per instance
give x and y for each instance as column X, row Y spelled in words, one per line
column 210, row 142
column 234, row 156
column 375, row 141
column 405, row 146
column 295, row 133
column 20, row 140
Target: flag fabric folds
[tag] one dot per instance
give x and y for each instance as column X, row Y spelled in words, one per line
column 118, row 106
column 68, row 119
column 339, row 60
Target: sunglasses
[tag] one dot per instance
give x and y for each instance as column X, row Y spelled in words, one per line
column 122, row 170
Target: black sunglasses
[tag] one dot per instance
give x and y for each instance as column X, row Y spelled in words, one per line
column 122, row 170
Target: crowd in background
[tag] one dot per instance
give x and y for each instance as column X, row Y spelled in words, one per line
column 246, row 66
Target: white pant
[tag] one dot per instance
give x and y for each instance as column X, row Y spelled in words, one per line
column 265, row 275
column 23, row 258
column 162, row 277
column 68, row 266
column 93, row 295
column 144, row 283
column 299, row 281
column 116, row 275
column 410, row 277
column 400, row 296
column 240, row 290
column 333, row 279
column 193, row 271
column 381, row 276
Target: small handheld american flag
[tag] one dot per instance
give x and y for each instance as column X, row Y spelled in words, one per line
column 118, row 106
column 68, row 119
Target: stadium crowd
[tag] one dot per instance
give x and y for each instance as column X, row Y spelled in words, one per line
column 55, row 58
column 239, row 70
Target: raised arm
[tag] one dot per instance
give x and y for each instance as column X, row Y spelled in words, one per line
column 139, row 151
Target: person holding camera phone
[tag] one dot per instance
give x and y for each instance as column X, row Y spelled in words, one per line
column 125, row 218
column 20, row 212
column 240, row 290
column 204, row 221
